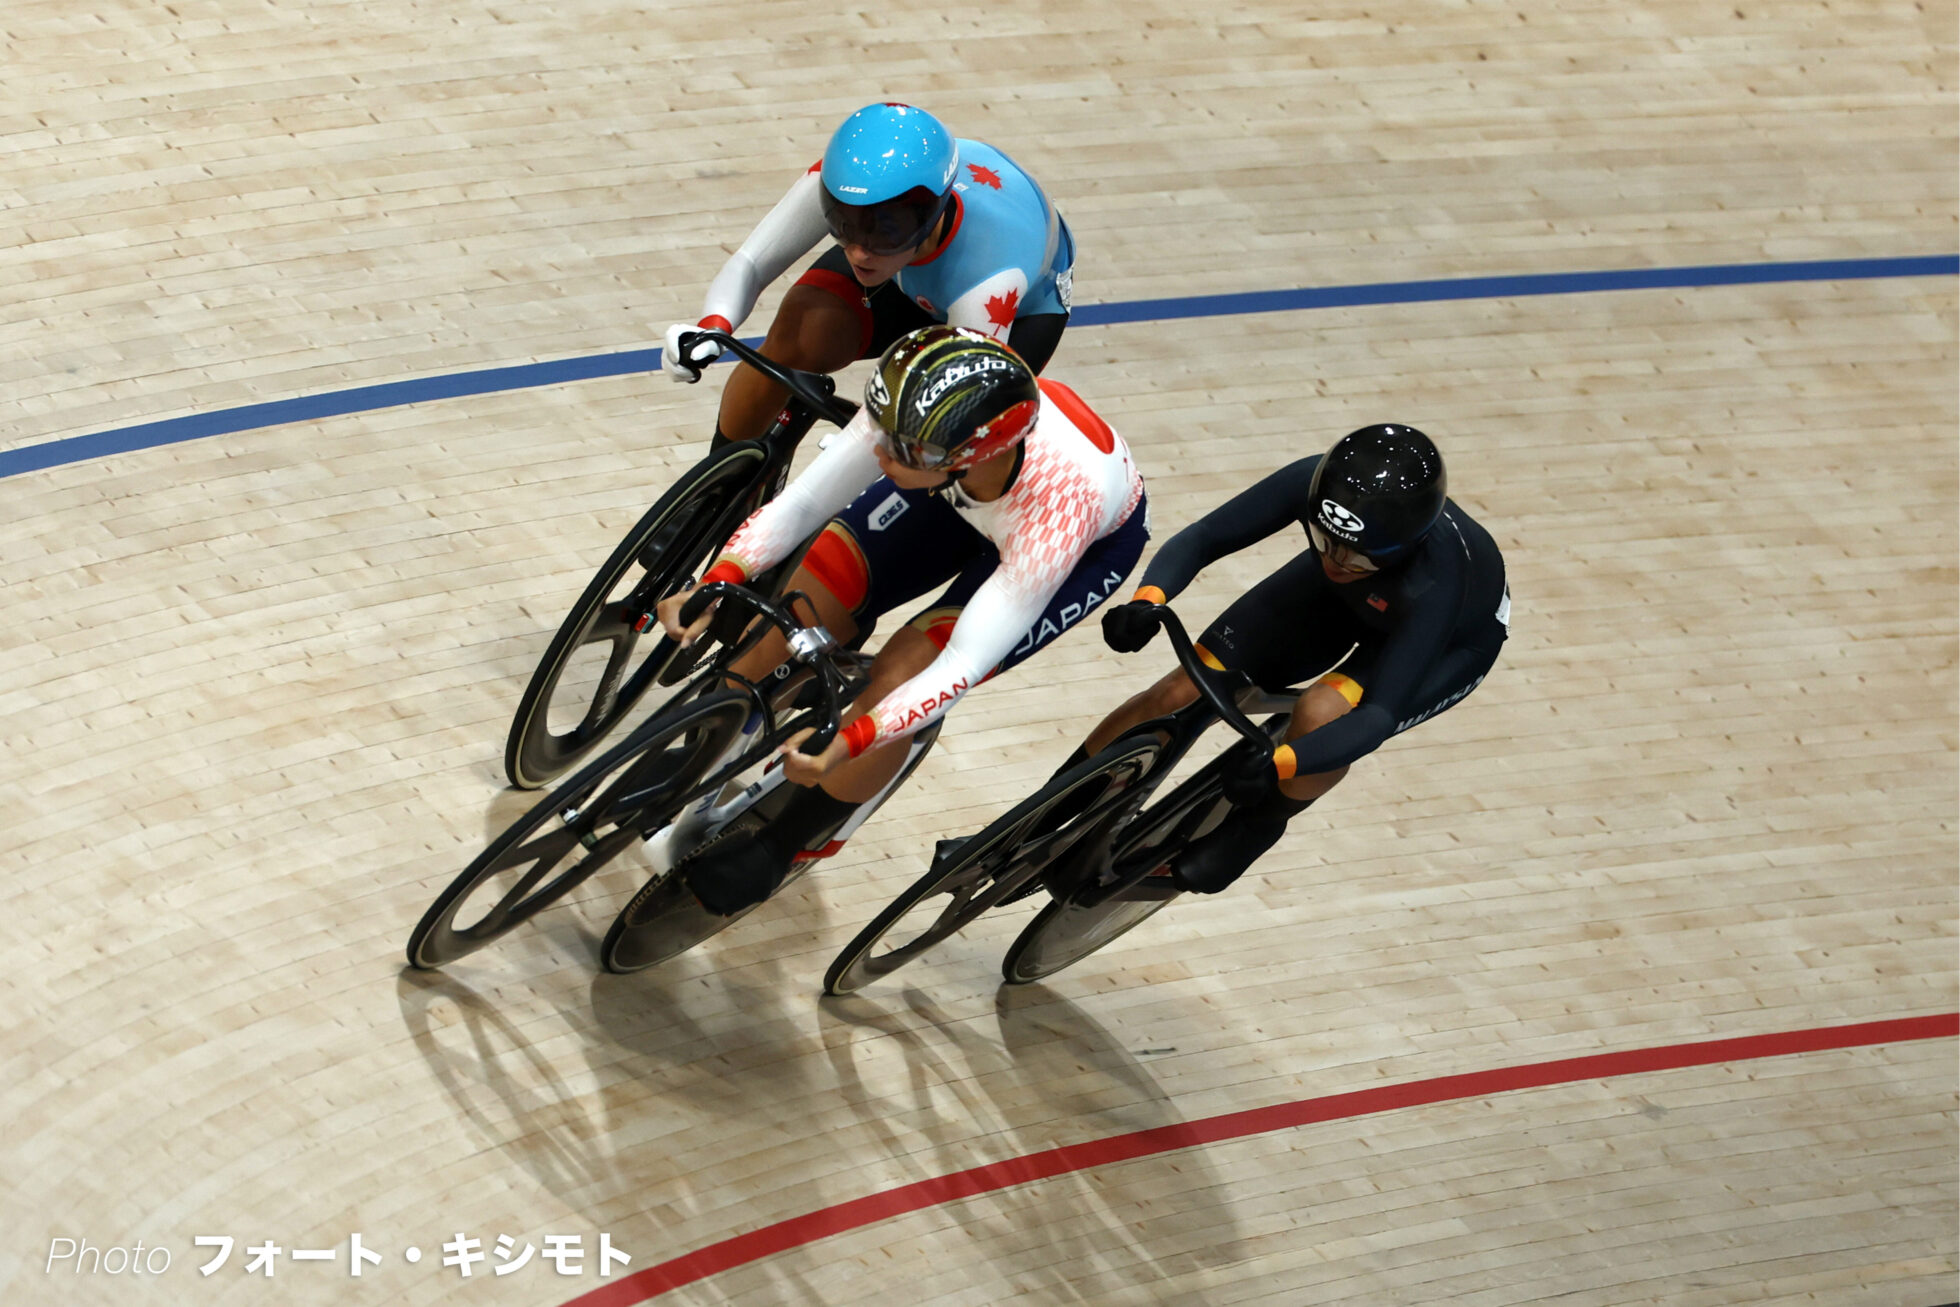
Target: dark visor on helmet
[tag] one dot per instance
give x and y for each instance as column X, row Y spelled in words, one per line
column 1341, row 555
column 891, row 226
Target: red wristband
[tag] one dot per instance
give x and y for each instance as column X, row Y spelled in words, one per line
column 726, row 570
column 715, row 322
column 859, row 734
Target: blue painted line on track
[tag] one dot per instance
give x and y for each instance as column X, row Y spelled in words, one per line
column 360, row 399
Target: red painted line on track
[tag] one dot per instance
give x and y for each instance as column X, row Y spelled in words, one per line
column 797, row 1231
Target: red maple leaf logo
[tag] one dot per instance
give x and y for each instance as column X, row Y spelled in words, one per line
column 984, row 176
column 1000, row 308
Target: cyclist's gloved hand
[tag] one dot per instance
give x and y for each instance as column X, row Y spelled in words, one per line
column 686, row 365
column 1251, row 776
column 1129, row 627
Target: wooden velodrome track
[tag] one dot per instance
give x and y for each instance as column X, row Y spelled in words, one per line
column 255, row 684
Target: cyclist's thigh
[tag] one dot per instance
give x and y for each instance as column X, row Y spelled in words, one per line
column 1094, row 578
column 889, row 547
column 815, row 330
column 884, row 313
column 1035, row 336
column 1286, row 628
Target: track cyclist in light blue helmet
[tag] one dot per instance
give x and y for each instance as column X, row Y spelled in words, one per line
column 929, row 229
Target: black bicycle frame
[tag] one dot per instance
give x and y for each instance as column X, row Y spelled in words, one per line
column 1218, row 694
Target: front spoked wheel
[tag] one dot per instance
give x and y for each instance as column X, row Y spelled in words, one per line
column 995, row 865
column 1070, row 929
column 607, row 653
column 580, row 827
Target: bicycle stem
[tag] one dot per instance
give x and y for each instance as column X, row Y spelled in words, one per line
column 809, row 645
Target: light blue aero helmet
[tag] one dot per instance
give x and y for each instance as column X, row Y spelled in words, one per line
column 888, row 177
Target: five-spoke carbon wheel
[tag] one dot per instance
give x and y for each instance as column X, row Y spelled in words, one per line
column 609, row 652
column 578, row 828
column 1070, row 929
column 995, row 865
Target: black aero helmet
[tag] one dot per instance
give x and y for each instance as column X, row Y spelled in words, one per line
column 1378, row 490
column 949, row 397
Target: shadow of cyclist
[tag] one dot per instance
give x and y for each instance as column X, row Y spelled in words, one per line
column 1047, row 1075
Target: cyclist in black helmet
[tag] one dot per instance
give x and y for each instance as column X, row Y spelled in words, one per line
column 1398, row 585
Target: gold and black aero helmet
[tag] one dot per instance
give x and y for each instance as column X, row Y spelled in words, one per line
column 1377, row 492
column 947, row 398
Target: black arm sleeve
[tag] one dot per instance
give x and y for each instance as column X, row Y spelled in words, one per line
column 1355, row 735
column 1245, row 519
column 1349, row 737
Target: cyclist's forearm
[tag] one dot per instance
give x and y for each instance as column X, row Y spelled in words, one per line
column 844, row 468
column 1346, row 739
column 992, row 623
column 1242, row 521
column 923, row 699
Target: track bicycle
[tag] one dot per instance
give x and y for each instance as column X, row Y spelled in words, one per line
column 597, row 666
column 703, row 766
column 1084, row 836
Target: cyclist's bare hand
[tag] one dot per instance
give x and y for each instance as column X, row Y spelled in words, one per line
column 668, row 610
column 801, row 768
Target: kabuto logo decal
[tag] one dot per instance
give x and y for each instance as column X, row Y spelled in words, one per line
column 956, row 374
column 1339, row 520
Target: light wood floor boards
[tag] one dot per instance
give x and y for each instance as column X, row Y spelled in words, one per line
column 254, row 687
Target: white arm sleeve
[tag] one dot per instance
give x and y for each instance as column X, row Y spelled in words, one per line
column 1000, row 614
column 989, row 627
column 785, row 234
column 826, row 488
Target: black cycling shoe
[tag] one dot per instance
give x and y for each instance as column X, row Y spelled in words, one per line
column 733, row 873
column 1214, row 861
